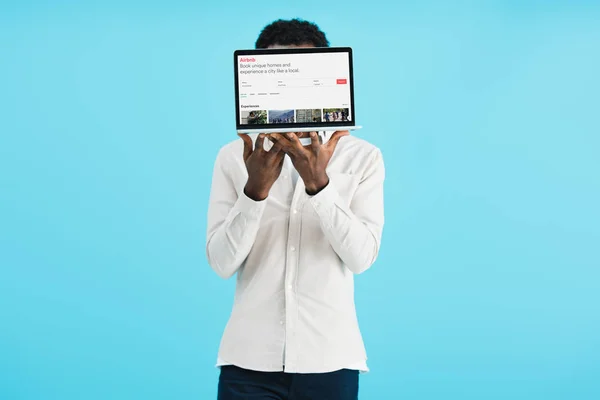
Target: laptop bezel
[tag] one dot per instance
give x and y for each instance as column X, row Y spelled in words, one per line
column 304, row 125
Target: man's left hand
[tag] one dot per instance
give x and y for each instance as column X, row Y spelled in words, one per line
column 310, row 161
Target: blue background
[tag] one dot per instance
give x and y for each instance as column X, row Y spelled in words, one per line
column 111, row 115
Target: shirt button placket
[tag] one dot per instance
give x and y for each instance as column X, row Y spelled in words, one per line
column 290, row 295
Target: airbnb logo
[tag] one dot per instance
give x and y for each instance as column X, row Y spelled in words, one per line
column 247, row 59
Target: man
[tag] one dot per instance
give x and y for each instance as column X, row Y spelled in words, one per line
column 296, row 223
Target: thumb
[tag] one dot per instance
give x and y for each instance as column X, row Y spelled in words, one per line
column 335, row 138
column 247, row 145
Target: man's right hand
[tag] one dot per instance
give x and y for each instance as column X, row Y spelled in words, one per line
column 263, row 166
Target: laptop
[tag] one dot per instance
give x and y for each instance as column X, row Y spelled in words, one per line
column 294, row 90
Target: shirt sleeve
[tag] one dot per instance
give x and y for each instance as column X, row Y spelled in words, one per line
column 232, row 223
column 354, row 232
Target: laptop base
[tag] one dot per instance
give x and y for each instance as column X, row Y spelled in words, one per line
column 298, row 129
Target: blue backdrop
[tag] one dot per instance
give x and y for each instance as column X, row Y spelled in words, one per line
column 111, row 115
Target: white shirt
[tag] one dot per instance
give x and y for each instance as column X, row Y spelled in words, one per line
column 296, row 256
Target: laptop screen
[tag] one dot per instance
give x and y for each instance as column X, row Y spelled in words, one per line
column 294, row 87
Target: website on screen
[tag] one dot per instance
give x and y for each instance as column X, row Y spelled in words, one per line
column 294, row 88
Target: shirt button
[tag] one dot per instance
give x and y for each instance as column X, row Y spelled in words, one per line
column 285, row 177
column 290, row 287
column 292, row 248
column 295, row 211
column 280, row 322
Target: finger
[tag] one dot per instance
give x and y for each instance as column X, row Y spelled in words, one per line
column 283, row 141
column 314, row 141
column 296, row 146
column 275, row 138
column 247, row 145
column 276, row 148
column 260, row 142
column 335, row 138
column 276, row 152
column 281, row 144
column 279, row 159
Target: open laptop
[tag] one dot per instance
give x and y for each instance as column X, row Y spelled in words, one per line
column 294, row 90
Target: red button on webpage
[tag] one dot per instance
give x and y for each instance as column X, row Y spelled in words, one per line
column 341, row 81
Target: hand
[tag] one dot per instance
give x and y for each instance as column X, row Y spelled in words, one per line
column 312, row 160
column 263, row 166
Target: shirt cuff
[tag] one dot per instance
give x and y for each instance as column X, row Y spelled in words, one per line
column 250, row 208
column 324, row 202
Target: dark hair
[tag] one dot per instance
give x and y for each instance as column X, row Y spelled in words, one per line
column 291, row 32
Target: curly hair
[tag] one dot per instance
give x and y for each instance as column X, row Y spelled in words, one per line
column 291, row 32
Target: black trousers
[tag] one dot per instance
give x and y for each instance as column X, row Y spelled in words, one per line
column 241, row 384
